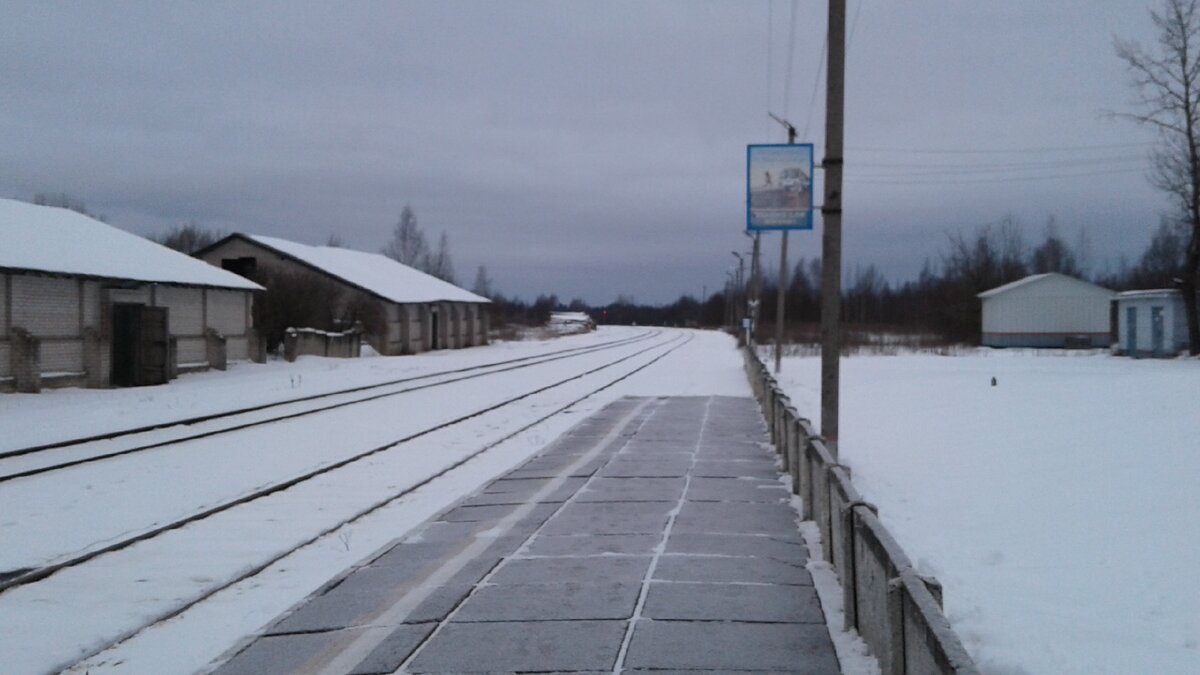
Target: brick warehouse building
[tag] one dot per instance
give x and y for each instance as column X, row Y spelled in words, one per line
column 418, row 312
column 83, row 303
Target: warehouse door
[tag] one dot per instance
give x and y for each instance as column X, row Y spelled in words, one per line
column 139, row 346
column 434, row 338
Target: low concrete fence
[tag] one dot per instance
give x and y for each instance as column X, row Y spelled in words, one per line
column 897, row 612
column 309, row 341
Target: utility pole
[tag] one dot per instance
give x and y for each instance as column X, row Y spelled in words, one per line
column 755, row 287
column 831, row 243
column 741, row 282
column 779, row 303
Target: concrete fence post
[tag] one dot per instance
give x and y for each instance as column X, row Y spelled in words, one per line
column 895, row 624
column 25, row 357
column 214, row 348
column 290, row 338
column 93, row 358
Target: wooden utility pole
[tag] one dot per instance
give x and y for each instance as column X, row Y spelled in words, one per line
column 831, row 243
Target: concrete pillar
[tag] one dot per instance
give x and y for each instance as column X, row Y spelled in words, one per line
column 457, row 325
column 93, row 358
column 405, row 320
column 214, row 348
column 26, row 362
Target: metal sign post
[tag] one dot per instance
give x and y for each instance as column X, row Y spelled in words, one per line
column 780, row 202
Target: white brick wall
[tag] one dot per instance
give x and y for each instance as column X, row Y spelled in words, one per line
column 227, row 312
column 62, row 356
column 91, row 304
column 237, row 349
column 185, row 309
column 45, row 306
column 190, row 350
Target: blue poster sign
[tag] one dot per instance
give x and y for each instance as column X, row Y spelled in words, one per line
column 779, row 187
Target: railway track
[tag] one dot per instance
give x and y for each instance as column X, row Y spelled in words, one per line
column 597, row 378
column 16, row 464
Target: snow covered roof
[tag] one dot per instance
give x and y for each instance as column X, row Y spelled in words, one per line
column 1151, row 293
column 373, row 272
column 60, row 241
column 1033, row 279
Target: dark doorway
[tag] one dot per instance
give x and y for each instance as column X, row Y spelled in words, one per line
column 434, row 343
column 139, row 346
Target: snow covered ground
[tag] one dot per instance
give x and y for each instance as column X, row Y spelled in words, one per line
column 186, row 573
column 1059, row 508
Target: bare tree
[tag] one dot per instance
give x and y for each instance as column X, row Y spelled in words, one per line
column 408, row 245
column 1167, row 80
column 483, row 283
column 65, row 201
column 188, row 237
column 438, row 262
column 1054, row 254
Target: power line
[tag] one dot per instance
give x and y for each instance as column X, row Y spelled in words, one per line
column 791, row 58
column 854, row 24
column 907, row 167
column 997, row 179
column 812, row 100
column 988, row 151
column 770, row 74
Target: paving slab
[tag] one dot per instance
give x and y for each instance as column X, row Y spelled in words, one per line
column 753, row 647
column 787, row 548
column 658, row 524
column 761, row 603
column 610, row 518
column 590, row 544
column 605, row 489
column 726, row 569
column 394, row 650
column 552, row 602
column 521, row 646
column 736, row 490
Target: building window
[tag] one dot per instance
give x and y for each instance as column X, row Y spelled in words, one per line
column 245, row 267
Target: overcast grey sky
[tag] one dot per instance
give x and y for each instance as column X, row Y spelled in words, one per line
column 583, row 148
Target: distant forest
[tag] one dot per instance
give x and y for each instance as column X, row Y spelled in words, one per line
column 941, row 302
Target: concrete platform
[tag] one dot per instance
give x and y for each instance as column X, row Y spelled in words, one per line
column 654, row 536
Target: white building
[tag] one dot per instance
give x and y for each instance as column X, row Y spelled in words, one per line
column 1047, row 310
column 1151, row 323
column 83, row 303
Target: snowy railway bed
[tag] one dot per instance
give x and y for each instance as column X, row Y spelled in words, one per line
column 181, row 527
column 110, row 529
column 62, row 454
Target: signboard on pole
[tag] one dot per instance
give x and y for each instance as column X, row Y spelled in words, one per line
column 779, row 187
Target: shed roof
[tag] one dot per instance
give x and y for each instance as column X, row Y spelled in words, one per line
column 60, row 241
column 373, row 272
column 1151, row 293
column 1037, row 278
